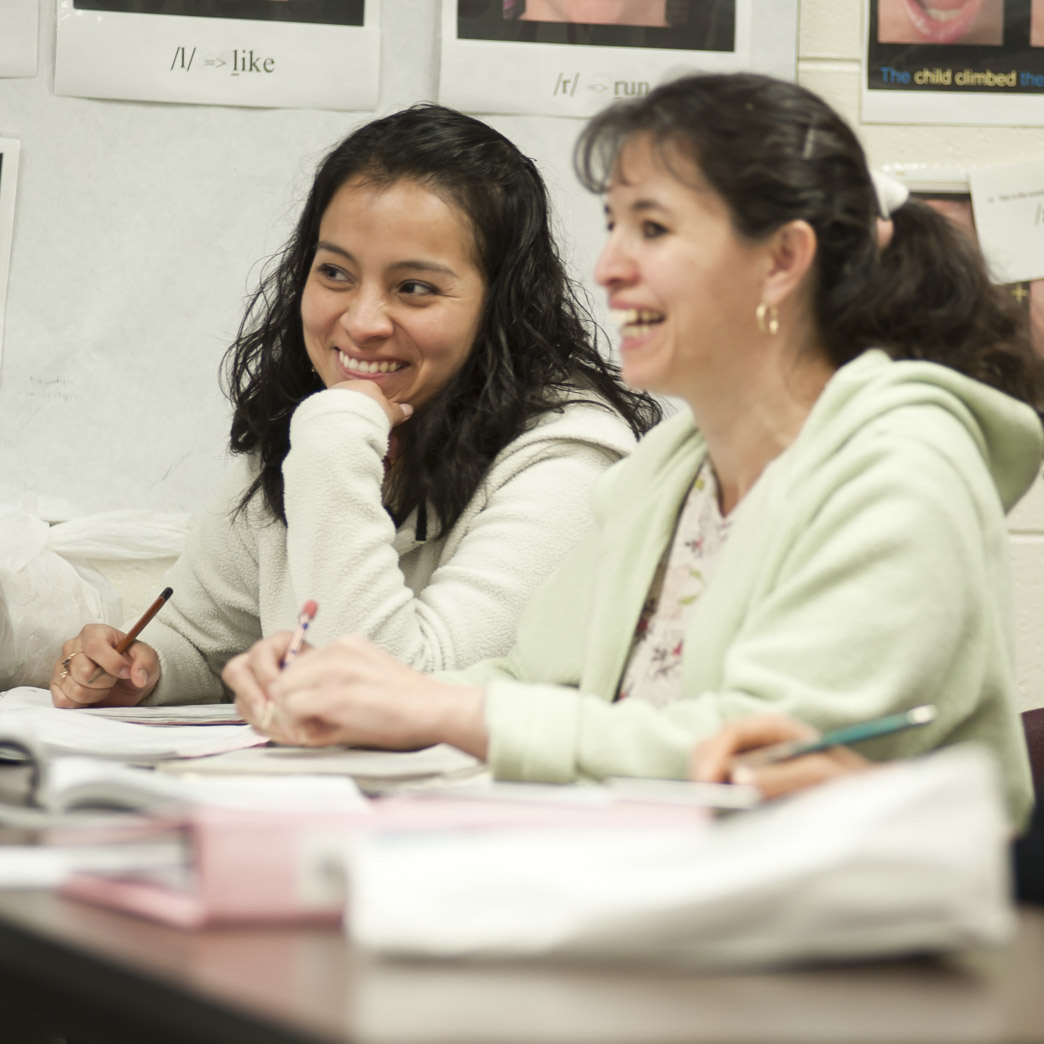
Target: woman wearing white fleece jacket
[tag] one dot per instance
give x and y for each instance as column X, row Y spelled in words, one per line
column 419, row 411
column 434, row 603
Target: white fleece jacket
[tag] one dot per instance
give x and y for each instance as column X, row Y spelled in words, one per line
column 435, row 604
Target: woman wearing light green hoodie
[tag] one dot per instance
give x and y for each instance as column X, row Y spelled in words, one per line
column 819, row 532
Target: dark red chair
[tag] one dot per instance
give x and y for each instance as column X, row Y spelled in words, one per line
column 1029, row 849
column 1033, row 725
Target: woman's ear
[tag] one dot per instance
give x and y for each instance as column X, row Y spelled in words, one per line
column 792, row 252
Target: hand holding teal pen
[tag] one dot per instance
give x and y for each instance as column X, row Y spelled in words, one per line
column 857, row 733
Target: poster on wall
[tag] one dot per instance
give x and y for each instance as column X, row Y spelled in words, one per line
column 314, row 54
column 1002, row 208
column 19, row 21
column 8, row 179
column 953, row 61
column 572, row 57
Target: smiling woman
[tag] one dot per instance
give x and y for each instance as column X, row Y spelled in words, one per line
column 819, row 531
column 940, row 21
column 419, row 413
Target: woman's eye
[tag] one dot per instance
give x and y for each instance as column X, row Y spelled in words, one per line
column 413, row 288
column 652, row 229
column 328, row 271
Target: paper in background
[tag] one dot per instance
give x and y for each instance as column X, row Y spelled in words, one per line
column 1008, row 201
column 494, row 60
column 110, row 49
column 8, row 181
column 19, row 21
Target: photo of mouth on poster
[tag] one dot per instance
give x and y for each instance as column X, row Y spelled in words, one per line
column 598, row 12
column 940, row 21
column 691, row 25
column 323, row 12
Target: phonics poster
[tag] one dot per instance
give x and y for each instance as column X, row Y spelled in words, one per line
column 572, row 57
column 954, row 61
column 278, row 53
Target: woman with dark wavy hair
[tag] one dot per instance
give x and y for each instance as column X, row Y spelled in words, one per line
column 419, row 414
column 819, row 533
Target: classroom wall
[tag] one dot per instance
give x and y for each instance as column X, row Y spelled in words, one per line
column 140, row 227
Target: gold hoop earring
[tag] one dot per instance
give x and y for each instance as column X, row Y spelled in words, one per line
column 767, row 317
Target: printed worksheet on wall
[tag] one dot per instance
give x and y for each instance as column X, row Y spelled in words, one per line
column 572, row 57
column 315, row 54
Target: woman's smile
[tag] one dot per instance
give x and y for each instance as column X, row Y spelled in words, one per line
column 943, row 21
column 373, row 368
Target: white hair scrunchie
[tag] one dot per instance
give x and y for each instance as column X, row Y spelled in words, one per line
column 891, row 193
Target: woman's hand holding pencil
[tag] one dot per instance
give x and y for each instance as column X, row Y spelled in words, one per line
column 778, row 754
column 251, row 674
column 720, row 758
column 103, row 666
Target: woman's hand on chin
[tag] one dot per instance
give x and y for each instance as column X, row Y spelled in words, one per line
column 396, row 412
column 352, row 693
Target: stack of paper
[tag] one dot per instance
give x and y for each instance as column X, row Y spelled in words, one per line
column 908, row 857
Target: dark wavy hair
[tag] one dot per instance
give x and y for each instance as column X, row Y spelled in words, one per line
column 775, row 152
column 536, row 348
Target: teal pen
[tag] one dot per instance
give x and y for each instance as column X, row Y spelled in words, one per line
column 863, row 730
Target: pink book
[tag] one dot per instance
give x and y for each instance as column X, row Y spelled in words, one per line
column 251, row 866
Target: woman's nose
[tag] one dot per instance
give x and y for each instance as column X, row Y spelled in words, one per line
column 614, row 265
column 366, row 318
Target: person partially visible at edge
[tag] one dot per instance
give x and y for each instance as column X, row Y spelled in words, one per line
column 420, row 410
column 821, row 532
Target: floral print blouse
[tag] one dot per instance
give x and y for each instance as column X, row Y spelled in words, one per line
column 653, row 671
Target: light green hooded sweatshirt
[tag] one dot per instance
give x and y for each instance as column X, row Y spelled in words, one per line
column 865, row 572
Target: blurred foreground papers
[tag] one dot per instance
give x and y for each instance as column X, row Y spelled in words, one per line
column 910, row 857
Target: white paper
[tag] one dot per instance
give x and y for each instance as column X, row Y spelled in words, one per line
column 216, row 60
column 19, row 21
column 578, row 79
column 71, row 782
column 439, row 762
column 47, row 866
column 8, row 181
column 1008, row 200
column 183, row 714
column 905, row 858
column 57, row 731
column 993, row 73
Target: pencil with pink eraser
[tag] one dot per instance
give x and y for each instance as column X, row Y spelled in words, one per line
column 305, row 617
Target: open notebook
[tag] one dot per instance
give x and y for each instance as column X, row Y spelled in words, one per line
column 87, row 731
